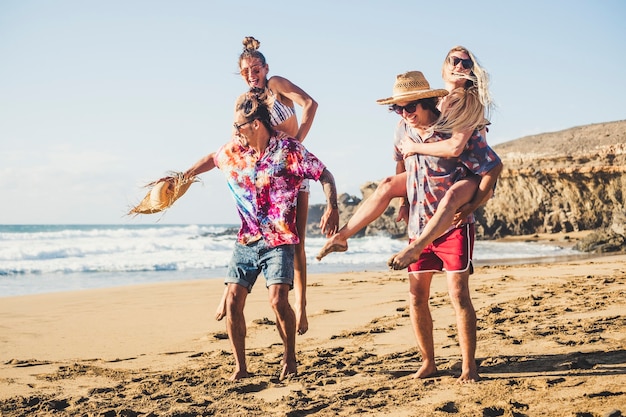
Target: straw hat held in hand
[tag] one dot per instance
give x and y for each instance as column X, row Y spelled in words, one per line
column 163, row 193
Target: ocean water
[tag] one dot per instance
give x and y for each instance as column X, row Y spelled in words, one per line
column 49, row 258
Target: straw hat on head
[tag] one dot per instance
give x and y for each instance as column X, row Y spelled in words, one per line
column 411, row 86
column 163, row 193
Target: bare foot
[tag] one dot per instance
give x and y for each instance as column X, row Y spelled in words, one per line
column 302, row 323
column 404, row 258
column 239, row 375
column 426, row 371
column 468, row 377
column 288, row 370
column 220, row 312
column 334, row 244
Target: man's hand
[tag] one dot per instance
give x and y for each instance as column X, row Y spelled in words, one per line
column 403, row 214
column 462, row 213
column 329, row 222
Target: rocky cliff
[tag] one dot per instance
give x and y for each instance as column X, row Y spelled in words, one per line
column 565, row 181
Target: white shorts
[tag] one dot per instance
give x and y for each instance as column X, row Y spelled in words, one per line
column 305, row 186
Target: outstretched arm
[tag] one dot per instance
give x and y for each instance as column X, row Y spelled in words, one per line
column 205, row 164
column 330, row 219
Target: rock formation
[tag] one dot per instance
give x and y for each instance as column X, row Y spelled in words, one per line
column 564, row 181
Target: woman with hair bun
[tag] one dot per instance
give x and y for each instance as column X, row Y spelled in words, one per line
column 281, row 96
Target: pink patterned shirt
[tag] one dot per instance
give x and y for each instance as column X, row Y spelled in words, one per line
column 265, row 188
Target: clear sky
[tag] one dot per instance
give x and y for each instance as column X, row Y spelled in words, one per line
column 98, row 98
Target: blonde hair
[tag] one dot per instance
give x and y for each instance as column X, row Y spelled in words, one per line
column 468, row 107
column 461, row 110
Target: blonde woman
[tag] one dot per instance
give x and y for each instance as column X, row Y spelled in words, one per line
column 463, row 114
column 281, row 97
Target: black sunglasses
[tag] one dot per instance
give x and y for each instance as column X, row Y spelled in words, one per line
column 466, row 63
column 237, row 127
column 409, row 108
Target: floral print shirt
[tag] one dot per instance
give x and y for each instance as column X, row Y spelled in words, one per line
column 429, row 177
column 265, row 188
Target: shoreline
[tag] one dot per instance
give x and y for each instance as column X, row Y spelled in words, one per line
column 550, row 328
column 54, row 282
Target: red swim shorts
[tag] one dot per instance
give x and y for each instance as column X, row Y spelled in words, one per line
column 451, row 252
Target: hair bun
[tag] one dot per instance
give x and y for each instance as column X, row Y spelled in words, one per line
column 250, row 43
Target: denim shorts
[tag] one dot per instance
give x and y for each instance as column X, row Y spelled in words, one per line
column 250, row 260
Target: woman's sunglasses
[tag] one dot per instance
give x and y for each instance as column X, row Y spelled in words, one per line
column 409, row 108
column 466, row 63
column 254, row 70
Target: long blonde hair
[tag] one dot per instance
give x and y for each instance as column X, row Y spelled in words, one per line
column 470, row 106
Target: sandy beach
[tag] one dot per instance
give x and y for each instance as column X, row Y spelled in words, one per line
column 551, row 342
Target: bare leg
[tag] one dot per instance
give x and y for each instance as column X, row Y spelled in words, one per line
column 286, row 325
column 368, row 211
column 236, row 326
column 458, row 288
column 459, row 194
column 220, row 312
column 421, row 319
column 299, row 281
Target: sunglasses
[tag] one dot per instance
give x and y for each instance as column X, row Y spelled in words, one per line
column 254, row 70
column 239, row 126
column 409, row 108
column 466, row 63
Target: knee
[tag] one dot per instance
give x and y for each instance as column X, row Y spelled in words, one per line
column 279, row 302
column 384, row 188
column 418, row 298
column 452, row 199
column 235, row 302
column 459, row 297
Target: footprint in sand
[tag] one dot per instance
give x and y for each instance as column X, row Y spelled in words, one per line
column 264, row 322
column 326, row 311
column 24, row 364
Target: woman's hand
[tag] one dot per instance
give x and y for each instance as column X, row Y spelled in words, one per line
column 408, row 147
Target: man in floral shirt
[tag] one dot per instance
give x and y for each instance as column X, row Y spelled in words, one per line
column 264, row 169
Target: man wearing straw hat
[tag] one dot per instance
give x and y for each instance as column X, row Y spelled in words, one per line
column 264, row 169
column 428, row 178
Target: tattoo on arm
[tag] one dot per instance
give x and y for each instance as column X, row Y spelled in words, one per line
column 330, row 190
